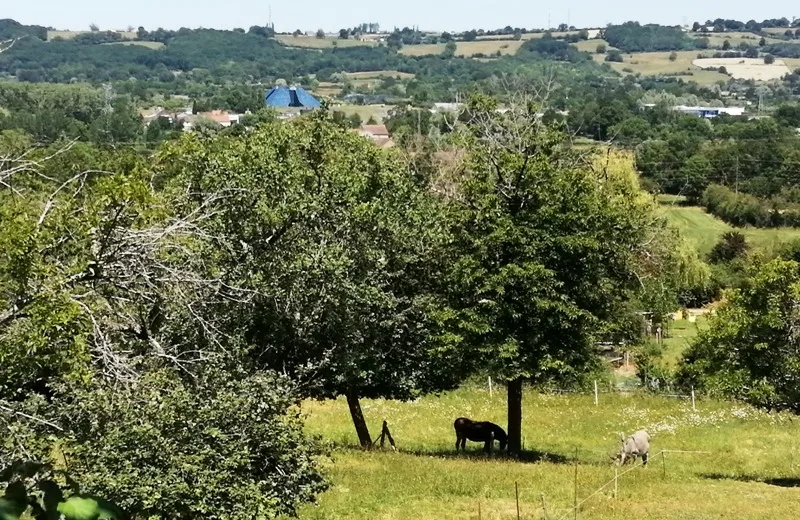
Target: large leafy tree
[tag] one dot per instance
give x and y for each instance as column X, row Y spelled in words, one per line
column 751, row 350
column 118, row 350
column 547, row 249
column 339, row 247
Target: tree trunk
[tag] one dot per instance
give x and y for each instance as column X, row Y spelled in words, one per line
column 358, row 420
column 515, row 417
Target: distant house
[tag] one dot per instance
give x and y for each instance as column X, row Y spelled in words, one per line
column 221, row 117
column 704, row 112
column 290, row 97
column 446, row 107
column 374, row 132
column 710, row 112
column 379, row 134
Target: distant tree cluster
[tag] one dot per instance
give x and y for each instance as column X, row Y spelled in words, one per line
column 634, row 37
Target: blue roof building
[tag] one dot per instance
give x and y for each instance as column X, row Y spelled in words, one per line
column 290, row 97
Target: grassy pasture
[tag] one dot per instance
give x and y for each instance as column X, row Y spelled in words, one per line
column 591, row 45
column 379, row 74
column 312, row 42
column 68, row 35
column 658, row 63
column 716, row 40
column 487, row 47
column 379, row 112
column 742, row 477
column 703, row 230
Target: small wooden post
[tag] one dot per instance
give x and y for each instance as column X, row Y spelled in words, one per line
column 490, row 386
column 575, row 487
column 616, row 479
column 693, row 405
column 479, row 510
column 385, row 433
column 516, row 492
column 595, row 392
column 664, row 464
column 544, row 507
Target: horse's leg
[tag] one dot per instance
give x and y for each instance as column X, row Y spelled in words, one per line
column 463, row 444
column 458, row 441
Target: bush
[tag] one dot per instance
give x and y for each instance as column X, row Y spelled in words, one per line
column 723, row 70
column 601, row 48
column 614, row 56
column 769, row 59
column 220, row 447
column 731, row 245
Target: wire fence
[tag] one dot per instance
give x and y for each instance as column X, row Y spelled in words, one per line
column 613, row 484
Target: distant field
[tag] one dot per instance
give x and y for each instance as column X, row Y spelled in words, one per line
column 742, row 476
column 149, row 45
column 487, row 47
column 328, row 89
column 68, row 35
column 703, row 230
column 717, row 40
column 658, row 63
column 746, row 68
column 379, row 112
column 679, row 335
column 591, row 45
column 792, row 63
column 379, row 74
column 311, row 42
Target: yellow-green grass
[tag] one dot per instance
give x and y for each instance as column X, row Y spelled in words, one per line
column 751, row 457
column 486, row 47
column 526, row 36
column 703, row 230
column 328, row 89
column 312, row 42
column 591, row 45
column 379, row 74
column 679, row 335
column 658, row 63
column 149, row 45
column 378, row 112
column 735, row 38
column 792, row 63
column 68, row 35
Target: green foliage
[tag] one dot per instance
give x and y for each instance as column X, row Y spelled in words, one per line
column 244, row 453
column 750, row 350
column 633, row 37
column 341, row 245
column 731, row 245
column 32, row 489
column 533, row 227
column 553, row 49
column 614, row 56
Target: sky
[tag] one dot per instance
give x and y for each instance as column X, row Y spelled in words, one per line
column 450, row 15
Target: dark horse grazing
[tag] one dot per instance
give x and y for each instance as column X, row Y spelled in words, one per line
column 485, row 432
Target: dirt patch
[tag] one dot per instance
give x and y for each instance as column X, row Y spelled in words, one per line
column 746, row 68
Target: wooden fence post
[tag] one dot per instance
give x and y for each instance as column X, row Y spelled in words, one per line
column 595, row 392
column 616, row 478
column 544, row 507
column 664, row 463
column 490, row 386
column 693, row 405
column 516, row 492
column 575, row 488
